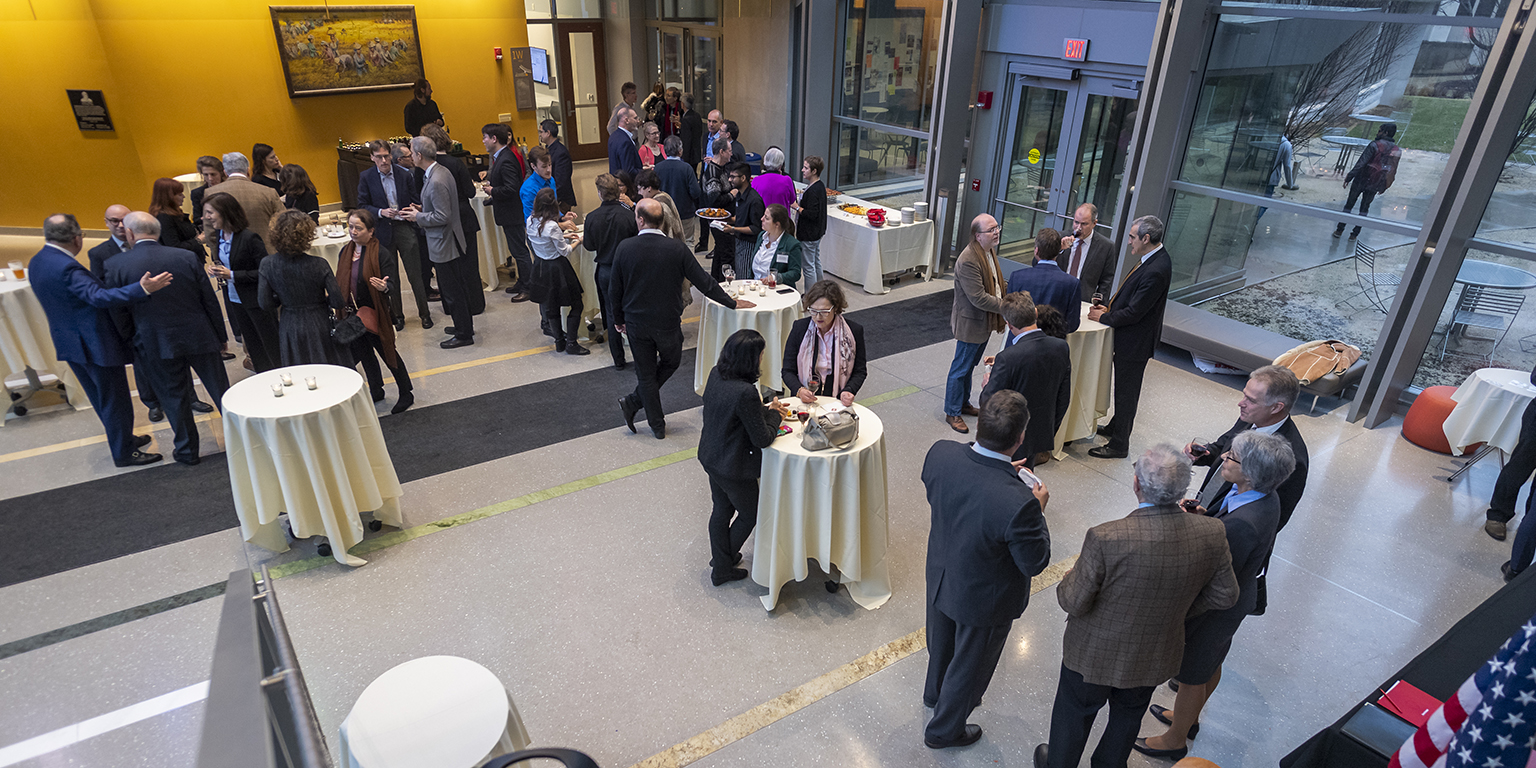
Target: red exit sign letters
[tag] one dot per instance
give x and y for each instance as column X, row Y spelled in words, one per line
column 1075, row 49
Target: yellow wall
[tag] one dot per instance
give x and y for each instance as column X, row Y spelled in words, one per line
column 184, row 78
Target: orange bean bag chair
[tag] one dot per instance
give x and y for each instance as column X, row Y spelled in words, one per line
column 1424, row 425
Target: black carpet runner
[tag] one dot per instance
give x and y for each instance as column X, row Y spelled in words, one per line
column 65, row 528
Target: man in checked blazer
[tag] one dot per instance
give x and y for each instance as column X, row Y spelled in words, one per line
column 1135, row 582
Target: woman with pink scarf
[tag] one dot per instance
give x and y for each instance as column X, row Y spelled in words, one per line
column 825, row 352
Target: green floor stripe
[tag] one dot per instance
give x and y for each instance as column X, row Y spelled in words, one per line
column 378, row 543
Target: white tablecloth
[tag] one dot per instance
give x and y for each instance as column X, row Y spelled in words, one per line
column 773, row 316
column 25, row 344
column 493, row 243
column 432, row 712
column 829, row 506
column 328, row 248
column 189, row 182
column 1489, row 405
column 860, row 253
column 1092, row 349
column 317, row 455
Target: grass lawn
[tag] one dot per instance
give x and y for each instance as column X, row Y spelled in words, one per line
column 1432, row 125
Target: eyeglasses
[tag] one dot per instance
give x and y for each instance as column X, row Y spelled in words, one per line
column 111, row 220
column 821, row 312
column 993, row 230
column 1229, row 457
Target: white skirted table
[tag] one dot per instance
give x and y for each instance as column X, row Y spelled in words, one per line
column 1489, row 406
column 26, row 348
column 1092, row 348
column 858, row 252
column 829, row 506
column 432, row 712
column 492, row 242
column 328, row 247
column 773, row 317
column 317, row 455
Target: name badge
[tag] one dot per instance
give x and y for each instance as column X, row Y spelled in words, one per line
column 783, row 258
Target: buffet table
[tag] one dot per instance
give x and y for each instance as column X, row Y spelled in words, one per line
column 773, row 317
column 26, row 348
column 829, row 506
column 316, row 454
column 860, row 253
column 1092, row 350
column 432, row 712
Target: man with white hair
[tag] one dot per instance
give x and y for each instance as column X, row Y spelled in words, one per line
column 438, row 217
column 83, row 335
column 259, row 201
column 182, row 330
column 1126, row 599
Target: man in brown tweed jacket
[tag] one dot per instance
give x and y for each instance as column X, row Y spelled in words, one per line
column 1135, row 582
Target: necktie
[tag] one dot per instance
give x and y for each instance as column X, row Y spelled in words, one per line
column 1127, row 279
column 1077, row 259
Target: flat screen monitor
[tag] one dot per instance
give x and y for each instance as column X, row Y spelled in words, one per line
column 540, row 59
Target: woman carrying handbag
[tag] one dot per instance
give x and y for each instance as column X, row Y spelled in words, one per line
column 365, row 290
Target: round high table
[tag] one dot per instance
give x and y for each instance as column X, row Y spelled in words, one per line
column 432, row 712
column 829, row 506
column 1489, row 406
column 492, row 245
column 327, row 247
column 317, row 455
column 1092, row 348
column 26, row 347
column 773, row 317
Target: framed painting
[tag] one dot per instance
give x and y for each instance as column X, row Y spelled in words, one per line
column 347, row 48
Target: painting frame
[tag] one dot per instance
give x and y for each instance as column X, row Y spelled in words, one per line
column 307, row 67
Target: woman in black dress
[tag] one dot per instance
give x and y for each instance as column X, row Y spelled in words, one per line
column 299, row 192
column 1256, row 464
column 265, row 167
column 238, row 254
column 737, row 427
column 824, row 354
column 304, row 287
column 365, row 291
column 176, row 229
column 554, row 283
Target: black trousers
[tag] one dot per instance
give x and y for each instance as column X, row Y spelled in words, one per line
column 1128, row 375
column 402, row 252
column 368, row 349
column 732, row 497
column 146, row 387
column 472, row 250
column 260, row 335
column 615, row 343
column 1364, row 195
column 961, row 660
column 107, row 389
column 567, row 334
column 458, row 280
column 173, row 381
column 657, row 356
column 517, row 243
column 426, row 265
column 1522, row 462
column 1077, row 705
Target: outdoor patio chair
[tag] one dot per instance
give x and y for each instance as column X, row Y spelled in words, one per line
column 1370, row 281
column 1484, row 308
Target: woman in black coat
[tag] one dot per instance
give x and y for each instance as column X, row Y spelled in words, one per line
column 827, row 358
column 305, row 288
column 176, row 229
column 1256, row 464
column 737, row 427
column 237, row 256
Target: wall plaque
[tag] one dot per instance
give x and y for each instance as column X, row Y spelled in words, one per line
column 90, row 109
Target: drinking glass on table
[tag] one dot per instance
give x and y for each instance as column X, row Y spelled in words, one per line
column 729, row 272
column 1097, row 299
column 773, row 279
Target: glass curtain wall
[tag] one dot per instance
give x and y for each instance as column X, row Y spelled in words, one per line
column 1327, row 112
column 885, row 103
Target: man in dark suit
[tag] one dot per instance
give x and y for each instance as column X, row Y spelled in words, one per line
column 1088, row 255
column 623, row 154
column 988, row 538
column 644, row 294
column 692, row 134
column 385, row 192
column 562, row 169
column 504, row 183
column 1047, row 283
column 181, row 331
column 116, row 243
column 1126, row 599
column 85, row 336
column 679, row 182
column 457, row 274
column 607, row 227
column 469, row 223
column 1136, row 313
column 1037, row 366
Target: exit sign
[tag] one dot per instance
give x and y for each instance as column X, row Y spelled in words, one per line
column 1075, row 50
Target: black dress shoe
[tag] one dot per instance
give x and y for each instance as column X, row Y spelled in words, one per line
column 572, row 348
column 406, row 400
column 1172, row 754
column 1101, row 430
column 1161, row 714
column 734, row 574
column 399, row 324
column 659, row 432
column 226, row 355
column 520, row 296
column 156, row 415
column 737, row 559
column 139, row 441
column 1042, row 755
column 1105, row 452
column 199, row 406
column 138, row 459
column 426, row 323
column 378, row 395
column 621, row 366
column 456, row 342
column 511, row 289
column 970, row 735
column 1509, row 575
column 969, row 410
column 629, row 413
column 192, row 462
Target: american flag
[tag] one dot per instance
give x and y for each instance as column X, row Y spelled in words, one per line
column 1490, row 722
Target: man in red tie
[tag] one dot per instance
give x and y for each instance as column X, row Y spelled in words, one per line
column 1088, row 255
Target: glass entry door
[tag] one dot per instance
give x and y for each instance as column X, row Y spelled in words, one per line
column 688, row 59
column 581, row 55
column 1066, row 146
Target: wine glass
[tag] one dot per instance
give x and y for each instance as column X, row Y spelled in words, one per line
column 729, row 272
